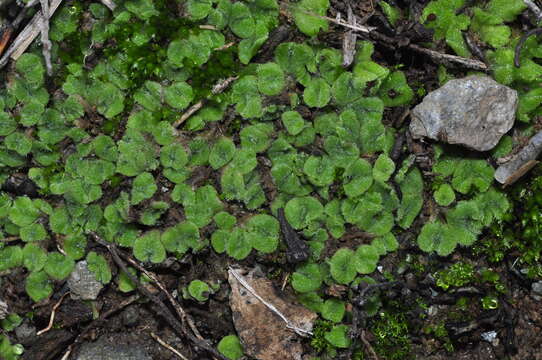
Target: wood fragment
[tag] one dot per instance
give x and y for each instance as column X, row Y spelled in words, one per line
column 46, row 44
column 167, row 346
column 368, row 345
column 440, row 57
column 52, row 317
column 534, row 9
column 109, row 4
column 27, row 36
column 349, row 40
column 218, row 88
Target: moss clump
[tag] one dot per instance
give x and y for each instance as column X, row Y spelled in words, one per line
column 459, row 274
column 391, row 329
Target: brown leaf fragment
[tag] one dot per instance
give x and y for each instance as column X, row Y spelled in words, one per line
column 263, row 333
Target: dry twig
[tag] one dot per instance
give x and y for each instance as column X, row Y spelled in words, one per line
column 368, row 345
column 439, row 57
column 217, row 89
column 27, row 36
column 109, row 3
column 166, row 313
column 167, row 346
column 535, row 9
column 45, row 42
column 349, row 40
column 52, row 317
column 521, row 42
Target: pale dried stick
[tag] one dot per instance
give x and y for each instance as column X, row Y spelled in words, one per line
column 289, row 324
column 52, row 317
column 25, row 37
column 109, row 3
column 46, row 44
column 167, row 346
column 180, row 311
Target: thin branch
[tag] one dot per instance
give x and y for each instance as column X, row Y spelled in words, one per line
column 180, row 311
column 218, row 88
column 167, row 346
column 52, row 317
column 521, row 42
column 46, row 44
column 166, row 313
column 435, row 55
column 535, row 9
column 289, row 324
column 110, row 4
column 368, row 345
column 27, row 36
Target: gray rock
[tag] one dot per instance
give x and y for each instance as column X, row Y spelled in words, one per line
column 105, row 350
column 520, row 163
column 475, row 112
column 536, row 287
column 83, row 284
column 25, row 333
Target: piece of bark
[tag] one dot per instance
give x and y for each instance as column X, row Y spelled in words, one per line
column 298, row 250
column 349, row 41
column 263, row 333
column 521, row 163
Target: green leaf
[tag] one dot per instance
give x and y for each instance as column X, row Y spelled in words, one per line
column 230, row 347
column 238, row 245
column 125, row 283
column 306, row 16
column 244, row 160
column 58, row 266
column 199, row 290
column 143, row 9
column 23, row 211
column 30, row 66
column 174, row 156
column 7, row 124
column 153, row 212
column 143, row 187
column 33, row 232
column 105, row 148
column 222, row 152
column 437, row 237
column 444, row 195
column 198, row 9
column 395, row 90
column 199, row 151
column 347, row 88
column 18, row 142
column 338, row 336
column 178, row 95
column 34, row 257
column 149, row 248
column 270, row 79
column 38, row 286
column 224, row 220
column 342, row 266
column 333, row 310
column 149, row 95
column 307, row 278
column 248, row 102
column 241, row 21
column 256, row 137
column 182, row 237
column 75, row 246
column 357, row 178
column 293, row 122
column 319, row 170
column 98, row 265
column 301, row 211
column 366, row 259
column 294, row 58
column 317, row 93
column 263, row 233
column 10, row 257
column 383, row 168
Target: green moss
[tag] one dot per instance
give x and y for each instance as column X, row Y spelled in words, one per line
column 391, row 330
column 459, row 274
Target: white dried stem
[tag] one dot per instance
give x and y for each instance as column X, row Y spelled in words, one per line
column 109, row 3
column 45, row 42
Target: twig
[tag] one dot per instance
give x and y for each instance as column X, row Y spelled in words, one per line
column 521, row 42
column 289, row 324
column 469, row 63
column 167, row 346
column 349, row 41
column 109, row 3
column 167, row 314
column 27, row 36
column 535, row 9
column 52, row 317
column 368, row 345
column 45, row 42
column 180, row 311
column 217, row 89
